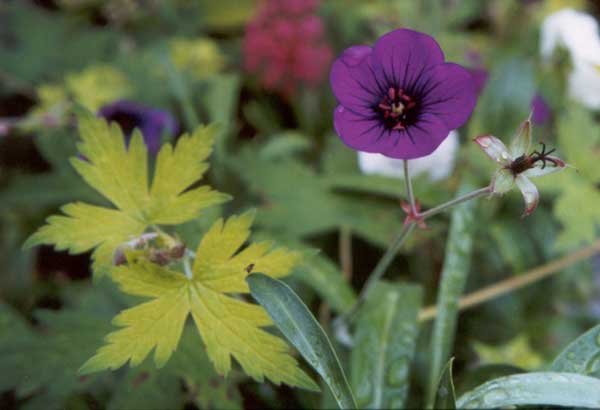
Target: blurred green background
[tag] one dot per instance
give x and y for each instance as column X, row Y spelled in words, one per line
column 278, row 152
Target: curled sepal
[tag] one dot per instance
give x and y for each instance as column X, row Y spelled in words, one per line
column 530, row 193
column 503, row 181
column 521, row 141
column 494, row 148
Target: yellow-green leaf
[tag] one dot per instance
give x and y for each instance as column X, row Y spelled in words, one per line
column 229, row 327
column 120, row 173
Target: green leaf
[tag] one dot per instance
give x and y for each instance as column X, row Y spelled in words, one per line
column 228, row 326
column 285, row 211
column 445, row 397
column 535, row 389
column 299, row 326
column 45, row 364
column 480, row 374
column 581, row 356
column 207, row 388
column 579, row 196
column 145, row 388
column 457, row 262
column 119, row 173
column 284, row 144
column 579, row 141
column 384, row 345
column 324, row 276
column 576, row 210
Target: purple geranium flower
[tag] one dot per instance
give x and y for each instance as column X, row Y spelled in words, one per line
column 399, row 98
column 151, row 122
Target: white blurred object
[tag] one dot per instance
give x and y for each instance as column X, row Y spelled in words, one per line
column 577, row 32
column 436, row 166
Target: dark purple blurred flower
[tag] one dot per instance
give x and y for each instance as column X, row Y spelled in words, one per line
column 151, row 122
column 541, row 110
column 399, row 98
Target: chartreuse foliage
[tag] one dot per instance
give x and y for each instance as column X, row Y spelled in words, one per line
column 228, row 325
column 120, row 174
column 579, row 199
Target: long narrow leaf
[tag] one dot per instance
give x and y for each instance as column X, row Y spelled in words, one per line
column 454, row 276
column 300, row 327
column 582, row 355
column 384, row 345
column 535, row 389
column 445, row 397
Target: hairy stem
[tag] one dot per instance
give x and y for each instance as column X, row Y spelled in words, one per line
column 409, row 189
column 460, row 199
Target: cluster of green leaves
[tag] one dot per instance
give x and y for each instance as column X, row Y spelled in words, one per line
column 40, row 363
column 228, row 326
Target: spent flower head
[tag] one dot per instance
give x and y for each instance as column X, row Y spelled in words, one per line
column 516, row 164
column 399, row 98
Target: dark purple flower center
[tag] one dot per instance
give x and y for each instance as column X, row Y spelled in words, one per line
column 397, row 109
column 126, row 120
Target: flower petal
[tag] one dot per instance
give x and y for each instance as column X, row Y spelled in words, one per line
column 530, row 193
column 417, row 140
column 503, row 181
column 539, row 169
column 357, row 132
column 400, row 56
column 521, row 141
column 448, row 91
column 353, row 80
column 494, row 148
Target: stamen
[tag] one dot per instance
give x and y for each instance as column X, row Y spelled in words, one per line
column 395, row 108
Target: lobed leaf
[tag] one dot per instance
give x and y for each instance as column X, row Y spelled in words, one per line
column 120, row 173
column 228, row 326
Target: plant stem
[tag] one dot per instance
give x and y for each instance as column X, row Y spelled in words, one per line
column 187, row 268
column 393, row 249
column 345, row 252
column 463, row 198
column 409, row 189
column 516, row 282
column 381, row 267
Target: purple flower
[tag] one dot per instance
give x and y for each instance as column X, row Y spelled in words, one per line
column 151, row 122
column 399, row 98
column 541, row 110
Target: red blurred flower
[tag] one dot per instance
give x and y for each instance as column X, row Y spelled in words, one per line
column 285, row 45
